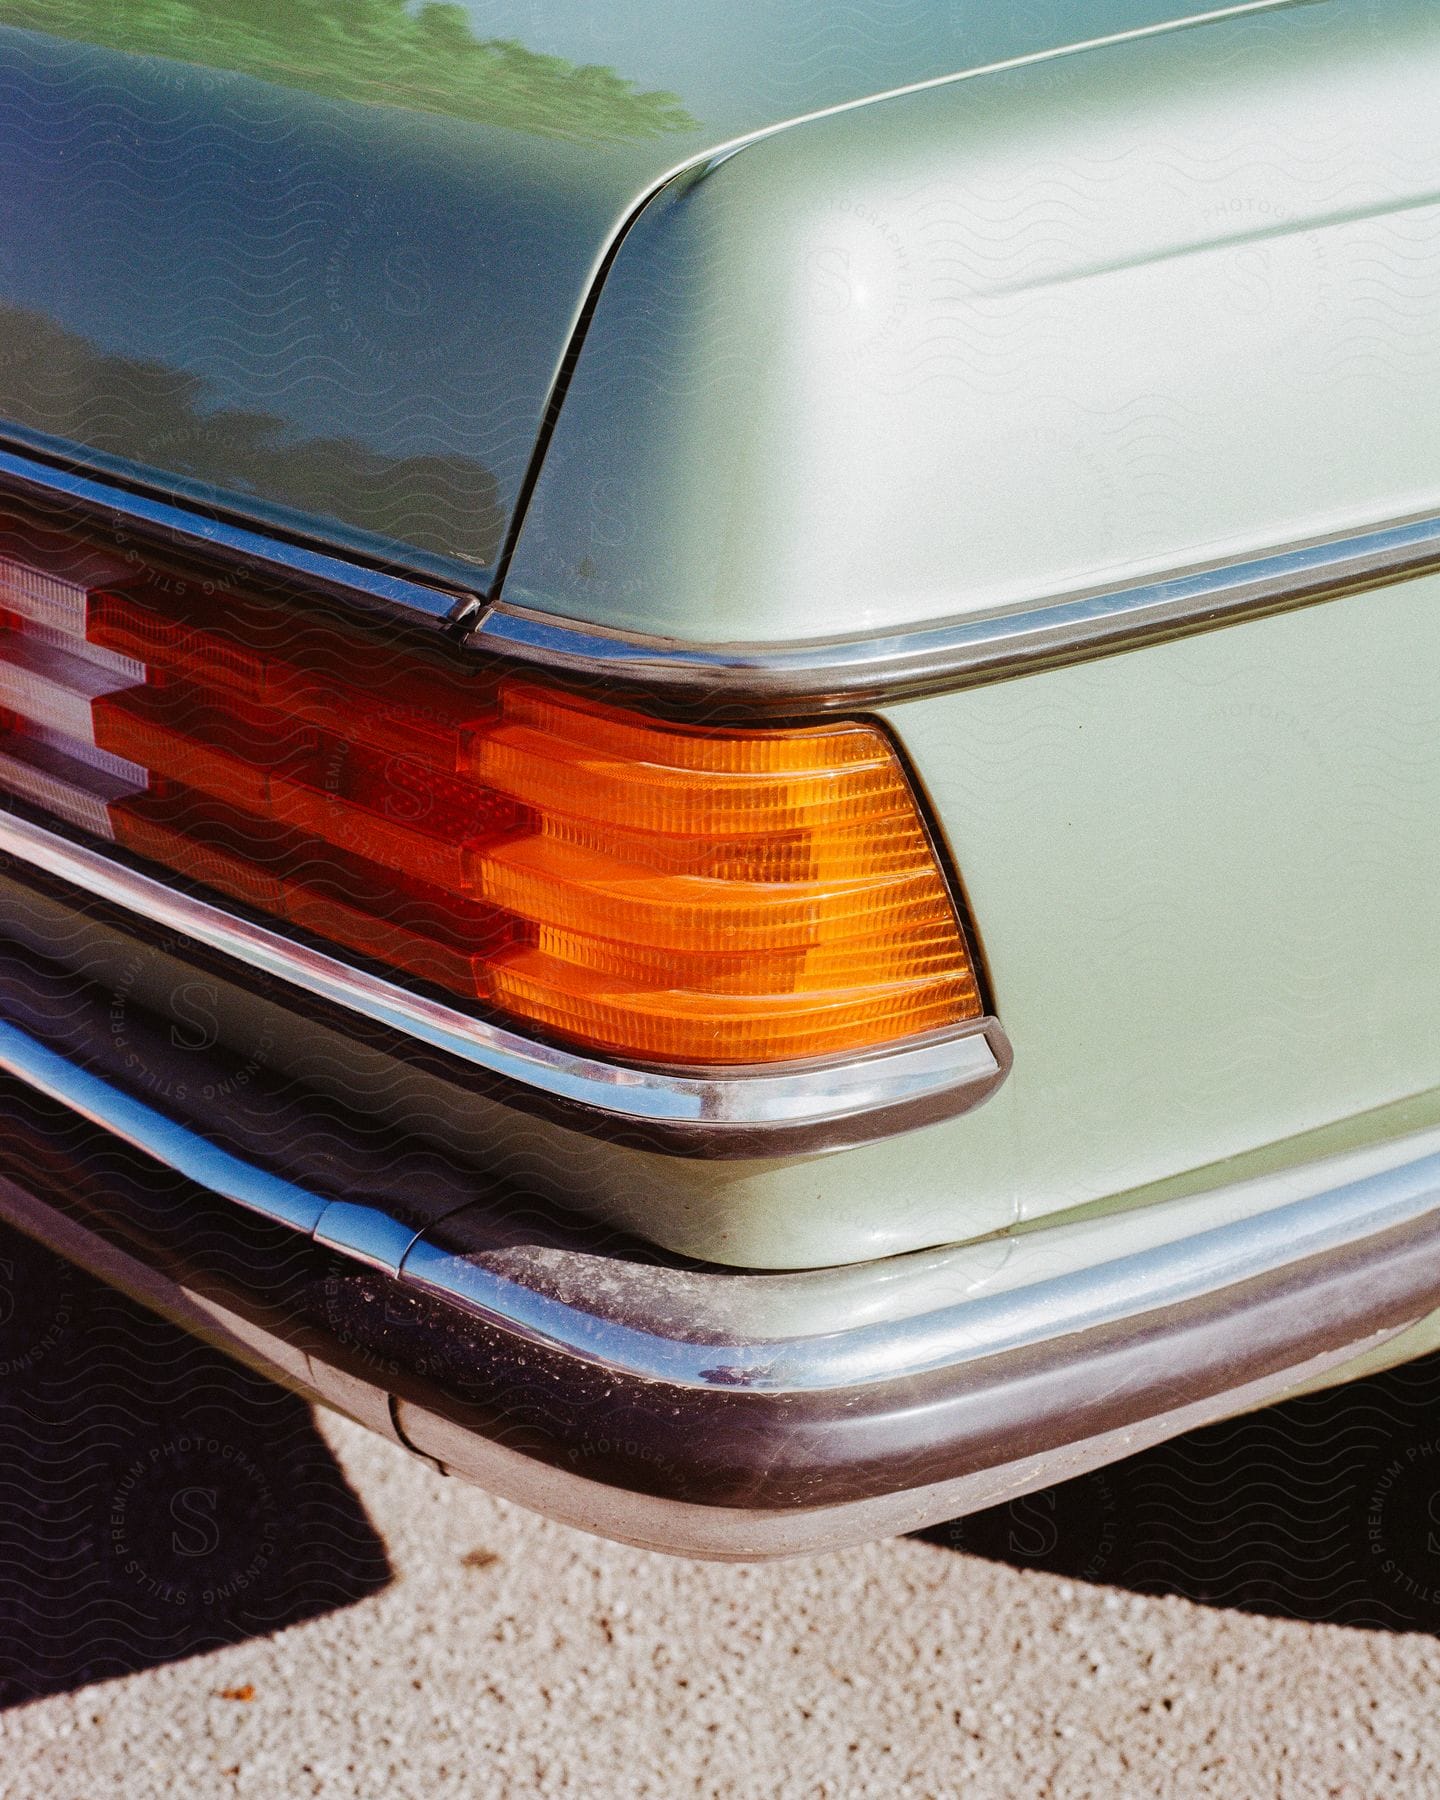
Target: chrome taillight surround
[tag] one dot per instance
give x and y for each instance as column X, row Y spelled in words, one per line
column 737, row 1111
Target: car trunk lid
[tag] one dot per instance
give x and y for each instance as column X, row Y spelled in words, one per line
column 320, row 265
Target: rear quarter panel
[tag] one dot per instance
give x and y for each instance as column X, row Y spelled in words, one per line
column 1043, row 330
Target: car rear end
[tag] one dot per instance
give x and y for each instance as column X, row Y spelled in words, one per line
column 876, row 947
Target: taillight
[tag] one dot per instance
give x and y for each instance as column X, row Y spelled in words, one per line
column 665, row 892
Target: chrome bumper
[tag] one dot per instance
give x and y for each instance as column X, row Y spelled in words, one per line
column 708, row 1412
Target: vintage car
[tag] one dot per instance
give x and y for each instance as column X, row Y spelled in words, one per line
column 720, row 730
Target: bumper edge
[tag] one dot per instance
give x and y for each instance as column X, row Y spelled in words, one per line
column 645, row 1429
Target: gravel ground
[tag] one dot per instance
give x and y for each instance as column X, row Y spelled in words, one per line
column 206, row 1591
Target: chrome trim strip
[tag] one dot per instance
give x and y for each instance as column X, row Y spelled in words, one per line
column 822, row 672
column 968, row 1331
column 752, row 1534
column 963, row 652
column 947, row 1074
column 141, row 1126
column 1122, row 1292
column 365, row 1234
column 234, row 540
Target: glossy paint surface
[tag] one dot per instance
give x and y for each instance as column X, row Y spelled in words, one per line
column 320, row 261
column 1207, row 891
column 1068, row 326
column 1138, row 325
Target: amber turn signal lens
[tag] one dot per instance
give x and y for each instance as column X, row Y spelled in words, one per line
column 714, row 896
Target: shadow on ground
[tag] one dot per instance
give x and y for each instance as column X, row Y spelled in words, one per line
column 157, row 1500
column 1325, row 1509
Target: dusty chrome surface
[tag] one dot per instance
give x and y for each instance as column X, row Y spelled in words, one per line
column 963, row 651
column 661, row 1347
column 953, row 1072
column 736, row 1534
column 1126, row 1288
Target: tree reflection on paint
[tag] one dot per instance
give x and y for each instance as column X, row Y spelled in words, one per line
column 378, row 52
column 57, row 382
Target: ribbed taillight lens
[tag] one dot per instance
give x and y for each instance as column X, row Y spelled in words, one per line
column 665, row 892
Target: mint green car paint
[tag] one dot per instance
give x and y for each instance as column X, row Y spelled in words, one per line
column 322, row 260
column 1080, row 323
column 1023, row 332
